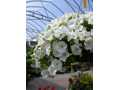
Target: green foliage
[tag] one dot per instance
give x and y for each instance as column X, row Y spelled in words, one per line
column 44, row 62
column 31, row 72
column 88, row 26
column 86, row 82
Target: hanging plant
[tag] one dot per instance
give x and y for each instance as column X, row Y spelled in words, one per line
column 66, row 40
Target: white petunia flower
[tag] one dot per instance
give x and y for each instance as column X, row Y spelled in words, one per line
column 37, row 53
column 87, row 34
column 59, row 47
column 52, row 70
column 45, row 73
column 81, row 28
column 83, row 35
column 48, row 35
column 72, row 35
column 62, row 36
column 71, row 24
column 76, row 41
column 48, row 49
column 89, row 44
column 57, row 33
column 37, row 63
column 40, row 52
column 64, row 56
column 57, row 64
column 40, row 41
column 76, row 50
column 90, row 18
column 64, row 30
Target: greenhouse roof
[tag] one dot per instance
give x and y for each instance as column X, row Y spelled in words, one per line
column 40, row 12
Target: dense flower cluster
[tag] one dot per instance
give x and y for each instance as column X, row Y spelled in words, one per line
column 63, row 37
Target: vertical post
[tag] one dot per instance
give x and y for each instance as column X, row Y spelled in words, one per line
column 85, row 3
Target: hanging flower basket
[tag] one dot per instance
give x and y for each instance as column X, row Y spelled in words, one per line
column 66, row 40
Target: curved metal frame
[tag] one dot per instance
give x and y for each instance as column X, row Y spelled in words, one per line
column 35, row 17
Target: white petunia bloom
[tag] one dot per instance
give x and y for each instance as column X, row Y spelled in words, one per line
column 64, row 30
column 89, row 44
column 87, row 34
column 40, row 52
column 62, row 36
column 76, row 41
column 76, row 50
column 90, row 18
column 37, row 53
column 57, row 33
column 59, row 47
column 40, row 41
column 52, row 70
column 81, row 28
column 72, row 35
column 72, row 24
column 37, row 63
column 48, row 35
column 64, row 56
column 90, row 21
column 48, row 49
column 45, row 73
column 57, row 64
column 83, row 35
